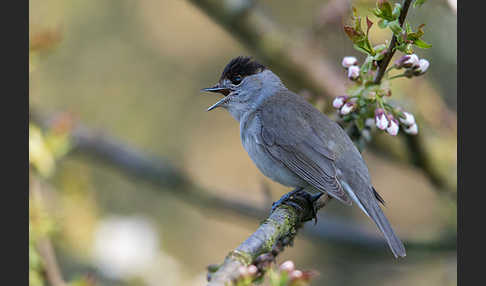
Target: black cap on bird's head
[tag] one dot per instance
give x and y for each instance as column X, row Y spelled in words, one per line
column 240, row 67
column 234, row 72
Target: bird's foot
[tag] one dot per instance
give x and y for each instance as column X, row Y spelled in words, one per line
column 285, row 198
column 297, row 198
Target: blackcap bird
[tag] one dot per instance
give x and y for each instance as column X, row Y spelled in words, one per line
column 294, row 144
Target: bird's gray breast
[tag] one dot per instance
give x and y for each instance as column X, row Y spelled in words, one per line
column 251, row 138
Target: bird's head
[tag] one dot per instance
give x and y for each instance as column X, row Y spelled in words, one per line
column 242, row 82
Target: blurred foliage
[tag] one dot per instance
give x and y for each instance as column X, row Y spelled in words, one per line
column 134, row 70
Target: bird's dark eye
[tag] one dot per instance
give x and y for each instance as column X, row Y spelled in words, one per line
column 237, row 79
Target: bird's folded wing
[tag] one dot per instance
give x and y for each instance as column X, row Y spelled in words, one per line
column 291, row 141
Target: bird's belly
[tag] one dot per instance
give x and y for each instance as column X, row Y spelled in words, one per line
column 269, row 166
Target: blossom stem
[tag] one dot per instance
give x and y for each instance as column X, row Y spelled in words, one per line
column 397, row 76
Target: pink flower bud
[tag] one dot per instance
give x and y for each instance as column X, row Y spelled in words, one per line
column 353, row 72
column 412, row 62
column 287, row 266
column 412, row 129
column 408, row 120
column 399, row 63
column 252, row 269
column 243, row 271
column 349, row 61
column 423, row 65
column 408, row 61
column 348, row 108
column 339, row 101
column 392, row 129
column 380, row 119
column 296, row 274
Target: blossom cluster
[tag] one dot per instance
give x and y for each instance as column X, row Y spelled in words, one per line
column 287, row 275
column 383, row 120
column 368, row 105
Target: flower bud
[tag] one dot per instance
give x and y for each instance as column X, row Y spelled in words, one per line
column 400, row 61
column 349, row 61
column 408, row 61
column 412, row 129
column 393, row 127
column 252, row 269
column 339, row 101
column 408, row 119
column 423, row 65
column 348, row 108
column 287, row 266
column 243, row 271
column 353, row 72
column 296, row 274
column 380, row 119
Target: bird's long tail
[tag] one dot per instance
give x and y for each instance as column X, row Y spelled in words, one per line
column 377, row 215
column 371, row 208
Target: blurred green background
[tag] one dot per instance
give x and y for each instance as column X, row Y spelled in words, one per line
column 133, row 69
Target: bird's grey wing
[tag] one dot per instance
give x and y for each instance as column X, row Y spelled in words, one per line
column 290, row 139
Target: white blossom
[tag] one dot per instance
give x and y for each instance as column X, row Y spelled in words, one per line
column 408, row 61
column 287, row 266
column 125, row 246
column 339, row 101
column 408, row 120
column 252, row 269
column 392, row 128
column 296, row 274
column 348, row 108
column 243, row 271
column 423, row 65
column 349, row 61
column 353, row 72
column 380, row 119
column 412, row 129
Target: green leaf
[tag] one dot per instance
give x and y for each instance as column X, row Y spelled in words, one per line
column 395, row 27
column 383, row 23
column 386, row 9
column 360, row 49
column 418, row 3
column 415, row 35
column 379, row 48
column 421, row 44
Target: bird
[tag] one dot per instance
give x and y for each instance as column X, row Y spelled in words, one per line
column 296, row 145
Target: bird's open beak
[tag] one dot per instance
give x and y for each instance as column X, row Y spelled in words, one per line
column 218, row 89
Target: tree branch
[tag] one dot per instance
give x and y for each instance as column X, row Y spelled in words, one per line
column 383, row 64
column 262, row 247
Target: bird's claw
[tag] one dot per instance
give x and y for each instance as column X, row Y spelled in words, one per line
column 292, row 198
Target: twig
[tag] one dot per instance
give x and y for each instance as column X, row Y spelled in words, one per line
column 383, row 64
column 44, row 245
column 273, row 235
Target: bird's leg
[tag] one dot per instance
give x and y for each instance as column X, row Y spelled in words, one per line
column 285, row 198
column 295, row 199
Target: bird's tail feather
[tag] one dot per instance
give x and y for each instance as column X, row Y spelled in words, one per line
column 381, row 221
